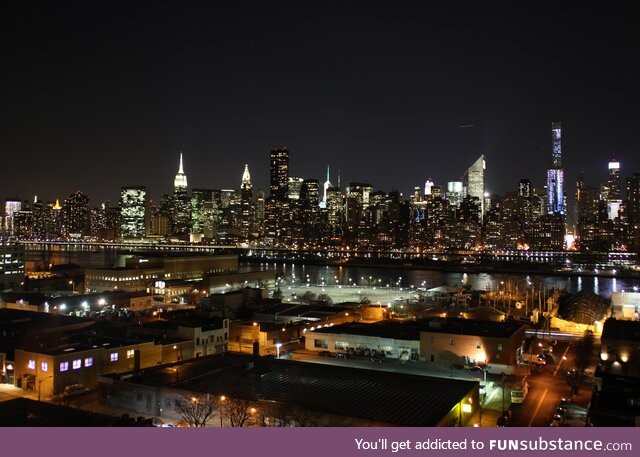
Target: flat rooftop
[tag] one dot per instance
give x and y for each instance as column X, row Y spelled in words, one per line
column 410, row 330
column 615, row 329
column 370, row 395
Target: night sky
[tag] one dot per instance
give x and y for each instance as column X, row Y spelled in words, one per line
column 96, row 95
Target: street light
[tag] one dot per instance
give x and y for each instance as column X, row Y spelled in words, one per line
column 222, row 399
column 278, row 346
column 73, row 287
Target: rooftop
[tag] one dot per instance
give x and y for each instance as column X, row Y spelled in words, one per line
column 621, row 330
column 379, row 397
column 410, row 330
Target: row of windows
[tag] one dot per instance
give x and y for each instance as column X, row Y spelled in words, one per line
column 77, row 363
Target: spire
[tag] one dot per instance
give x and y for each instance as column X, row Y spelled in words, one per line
column 327, row 173
column 246, row 178
column 57, row 205
column 180, row 181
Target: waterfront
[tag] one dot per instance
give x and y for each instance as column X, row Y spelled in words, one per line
column 388, row 277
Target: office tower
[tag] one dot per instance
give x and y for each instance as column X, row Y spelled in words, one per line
column 633, row 198
column 199, row 197
column 427, row 187
column 180, row 221
column 134, row 212
column 357, row 204
column 524, row 188
column 279, row 182
column 613, row 191
column 325, row 188
column 246, row 202
column 260, row 202
column 294, row 187
column 454, row 193
column 555, row 174
column 76, row 215
column 11, row 206
column 335, row 207
column 474, row 178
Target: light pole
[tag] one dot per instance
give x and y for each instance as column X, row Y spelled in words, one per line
column 73, row 287
column 278, row 346
column 222, row 399
column 40, row 381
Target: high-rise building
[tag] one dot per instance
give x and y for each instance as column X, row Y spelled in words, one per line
column 555, row 174
column 180, row 221
column 76, row 215
column 427, row 187
column 135, row 217
column 454, row 193
column 11, row 206
column 614, row 193
column 279, row 174
column 633, row 198
column 294, row 187
column 325, row 188
column 524, row 188
column 474, row 178
column 246, row 202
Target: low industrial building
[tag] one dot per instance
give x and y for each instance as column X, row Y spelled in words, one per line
column 437, row 340
column 140, row 272
column 283, row 391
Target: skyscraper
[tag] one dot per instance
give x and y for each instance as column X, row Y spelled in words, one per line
column 180, row 221
column 555, row 174
column 246, row 202
column 633, row 198
column 614, row 193
column 76, row 215
column 279, row 174
column 327, row 184
column 474, row 177
column 134, row 212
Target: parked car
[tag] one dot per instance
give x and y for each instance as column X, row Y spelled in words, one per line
column 324, row 354
column 377, row 358
column 75, row 389
column 343, row 355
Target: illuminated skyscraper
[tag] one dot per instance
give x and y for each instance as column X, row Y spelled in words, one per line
column 180, row 180
column 279, row 183
column 294, row 187
column 555, row 174
column 180, row 221
column 134, row 212
column 76, row 215
column 327, row 184
column 11, row 206
column 475, row 182
column 614, row 193
column 246, row 202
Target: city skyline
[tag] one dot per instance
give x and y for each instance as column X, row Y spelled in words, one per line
column 380, row 94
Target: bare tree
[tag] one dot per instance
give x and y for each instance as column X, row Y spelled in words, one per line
column 275, row 415
column 301, row 417
column 196, row 410
column 239, row 413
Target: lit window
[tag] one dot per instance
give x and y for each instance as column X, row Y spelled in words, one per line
column 77, row 363
column 44, row 366
column 31, row 364
column 88, row 361
column 130, row 354
column 499, row 347
column 114, row 357
column 64, row 366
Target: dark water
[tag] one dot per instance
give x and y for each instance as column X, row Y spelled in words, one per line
column 381, row 277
